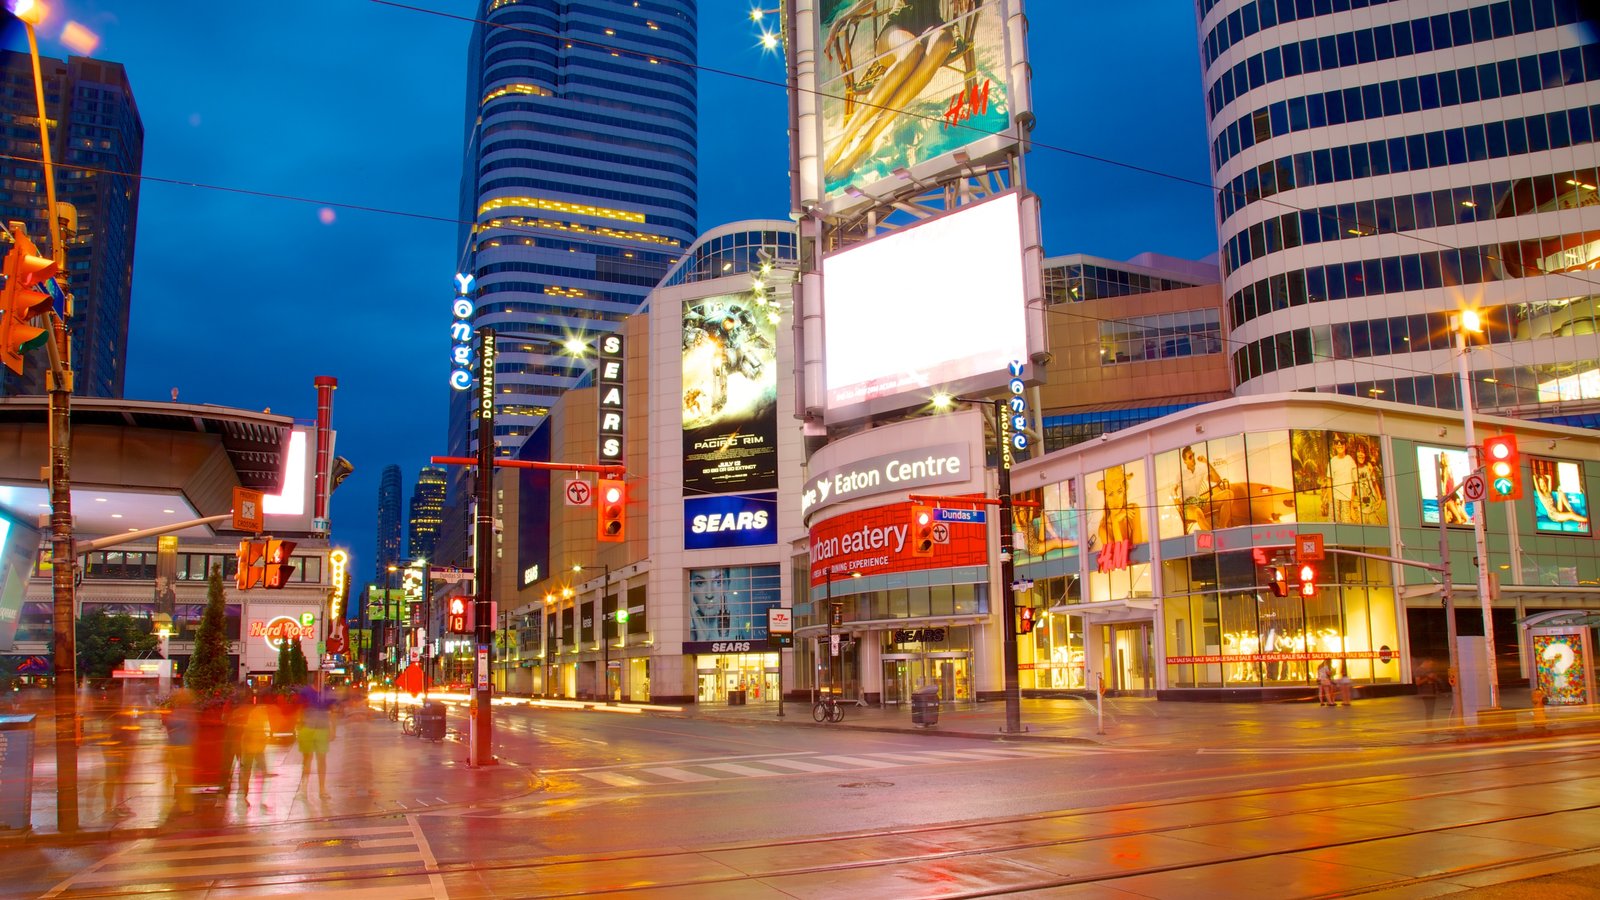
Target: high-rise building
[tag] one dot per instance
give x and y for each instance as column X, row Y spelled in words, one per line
column 390, row 537
column 427, row 510
column 579, row 180
column 97, row 143
column 1382, row 166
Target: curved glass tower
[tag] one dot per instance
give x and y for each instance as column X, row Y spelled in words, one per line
column 579, row 177
column 1382, row 165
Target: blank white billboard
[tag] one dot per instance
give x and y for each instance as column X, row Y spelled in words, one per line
column 937, row 306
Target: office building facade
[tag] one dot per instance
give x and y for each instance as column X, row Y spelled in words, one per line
column 391, row 538
column 1381, row 166
column 579, row 182
column 427, row 509
column 98, row 155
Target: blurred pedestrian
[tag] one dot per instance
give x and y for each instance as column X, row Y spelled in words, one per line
column 1325, row 683
column 254, row 730
column 181, row 726
column 1427, row 679
column 1347, row 685
column 118, row 734
column 313, row 733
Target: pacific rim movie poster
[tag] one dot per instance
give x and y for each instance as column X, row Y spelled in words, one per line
column 906, row 81
column 730, row 395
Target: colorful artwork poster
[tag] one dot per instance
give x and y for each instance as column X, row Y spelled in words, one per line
column 730, row 603
column 1563, row 668
column 1049, row 530
column 1116, row 517
column 730, row 395
column 906, row 81
column 1560, row 504
column 1457, row 511
column 1338, row 477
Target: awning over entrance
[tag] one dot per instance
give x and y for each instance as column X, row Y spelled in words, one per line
column 849, row 628
column 1107, row 610
column 1566, row 618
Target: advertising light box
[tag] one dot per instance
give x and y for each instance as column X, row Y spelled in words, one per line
column 936, row 306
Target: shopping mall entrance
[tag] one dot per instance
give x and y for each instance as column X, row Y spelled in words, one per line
column 950, row 672
column 1129, row 665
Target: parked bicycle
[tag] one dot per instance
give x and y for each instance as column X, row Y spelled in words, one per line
column 828, row 709
column 408, row 725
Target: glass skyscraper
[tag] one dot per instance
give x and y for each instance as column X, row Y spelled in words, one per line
column 390, row 536
column 427, row 508
column 580, row 181
column 97, row 144
column 1383, row 165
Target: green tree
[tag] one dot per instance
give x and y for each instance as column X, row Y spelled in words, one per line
column 210, row 675
column 293, row 671
column 105, row 640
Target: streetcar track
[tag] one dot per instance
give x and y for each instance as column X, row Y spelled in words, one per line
column 999, row 847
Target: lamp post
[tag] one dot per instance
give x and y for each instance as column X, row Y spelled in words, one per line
column 389, row 636
column 1468, row 320
column 1008, row 600
column 605, row 640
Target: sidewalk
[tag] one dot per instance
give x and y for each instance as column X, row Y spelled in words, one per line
column 1141, row 723
column 372, row 769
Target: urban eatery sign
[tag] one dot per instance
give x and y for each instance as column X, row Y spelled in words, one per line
column 280, row 630
column 876, row 541
column 882, row 474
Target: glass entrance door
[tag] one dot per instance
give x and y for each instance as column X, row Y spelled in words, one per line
column 952, row 673
column 1130, row 657
column 898, row 679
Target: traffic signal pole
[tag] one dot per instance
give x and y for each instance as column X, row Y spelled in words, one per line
column 1480, row 515
column 481, row 753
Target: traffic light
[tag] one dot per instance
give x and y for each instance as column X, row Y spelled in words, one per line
column 1503, row 465
column 250, row 571
column 1308, row 580
column 278, row 568
column 1278, row 581
column 22, row 298
column 613, row 509
column 456, row 619
column 1027, row 620
column 921, row 530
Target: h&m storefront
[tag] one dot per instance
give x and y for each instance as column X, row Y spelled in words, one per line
column 1149, row 551
column 878, row 619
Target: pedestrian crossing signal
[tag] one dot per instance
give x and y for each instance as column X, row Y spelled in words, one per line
column 456, row 616
column 1027, row 620
column 1308, row 581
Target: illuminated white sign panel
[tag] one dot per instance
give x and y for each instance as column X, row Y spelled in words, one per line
column 609, row 381
column 292, row 502
column 938, row 305
column 461, row 335
column 880, row 474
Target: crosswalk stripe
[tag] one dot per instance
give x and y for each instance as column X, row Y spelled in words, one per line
column 128, row 873
column 799, row 765
column 965, row 755
column 861, row 761
column 678, row 774
column 615, row 779
column 736, row 769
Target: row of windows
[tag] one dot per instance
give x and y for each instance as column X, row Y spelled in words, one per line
column 1250, row 18
column 1385, row 42
column 572, row 113
column 646, row 276
column 590, row 192
column 567, row 150
column 1410, row 212
column 1452, row 146
column 729, row 254
column 1489, row 81
column 1064, row 431
column 548, row 19
column 520, row 227
column 1414, row 272
column 611, row 175
column 1367, row 338
column 1492, row 389
column 140, row 565
column 1074, row 283
column 668, row 50
column 561, row 75
column 1164, row 336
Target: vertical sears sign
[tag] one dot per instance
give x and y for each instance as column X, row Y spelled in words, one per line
column 612, row 412
column 730, row 395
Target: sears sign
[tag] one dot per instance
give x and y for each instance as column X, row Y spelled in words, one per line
column 730, row 520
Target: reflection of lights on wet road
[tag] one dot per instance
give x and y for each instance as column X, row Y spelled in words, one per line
column 378, row 699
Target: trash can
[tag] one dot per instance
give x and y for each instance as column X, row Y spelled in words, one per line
column 430, row 721
column 925, row 706
column 736, row 698
column 16, row 772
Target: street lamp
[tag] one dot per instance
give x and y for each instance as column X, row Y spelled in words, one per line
column 389, row 636
column 1469, row 320
column 1008, row 600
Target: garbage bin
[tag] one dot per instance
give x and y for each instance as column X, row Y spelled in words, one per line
column 736, row 698
column 430, row 721
column 925, row 706
column 16, row 772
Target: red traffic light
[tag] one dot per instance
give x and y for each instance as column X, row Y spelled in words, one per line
column 1308, row 580
column 278, row 568
column 921, row 530
column 613, row 509
column 1502, row 464
column 21, row 299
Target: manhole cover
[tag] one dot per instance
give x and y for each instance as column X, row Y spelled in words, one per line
column 868, row 784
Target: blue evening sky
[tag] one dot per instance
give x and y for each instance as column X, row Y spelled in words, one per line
column 240, row 299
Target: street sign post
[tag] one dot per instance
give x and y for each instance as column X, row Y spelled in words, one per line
column 963, row 516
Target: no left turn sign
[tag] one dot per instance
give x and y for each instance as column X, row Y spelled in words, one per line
column 941, row 533
column 1474, row 488
column 578, row 492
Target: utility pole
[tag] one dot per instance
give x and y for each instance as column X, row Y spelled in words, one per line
column 481, row 753
column 1008, row 572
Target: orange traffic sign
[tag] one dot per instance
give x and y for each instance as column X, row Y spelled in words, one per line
column 1308, row 548
column 247, row 511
